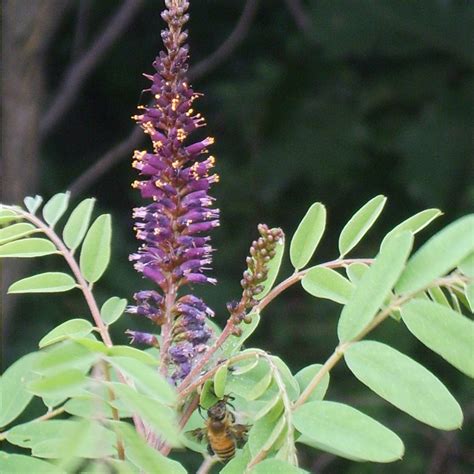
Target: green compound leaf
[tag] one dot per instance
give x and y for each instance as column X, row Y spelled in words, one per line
column 27, row 248
column 64, row 355
column 404, row 383
column 112, row 309
column 131, row 352
column 276, row 466
column 444, row 331
column 220, row 379
column 414, row 223
column 207, row 397
column 440, row 254
column 66, row 383
column 355, row 271
column 142, row 455
column 146, row 378
column 117, row 467
column 19, row 464
column 265, row 432
column 326, row 283
column 16, row 231
column 360, row 223
column 252, row 384
column 304, row 377
column 374, row 287
column 467, row 265
column 55, row 208
column 95, row 253
column 15, row 396
column 308, row 235
column 437, row 295
column 71, row 328
column 470, row 296
column 158, row 417
column 50, row 282
column 85, row 439
column 291, row 385
column 78, row 223
column 89, row 406
column 64, row 438
column 8, row 215
column 238, row 464
column 268, row 406
column 33, row 203
column 347, row 432
column 273, row 269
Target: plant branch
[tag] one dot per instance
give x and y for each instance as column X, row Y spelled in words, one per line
column 80, row 70
column 229, row 45
column 231, row 360
column 338, row 353
column 301, row 18
column 207, row 356
column 80, row 29
column 298, row 276
column 107, row 161
column 228, row 329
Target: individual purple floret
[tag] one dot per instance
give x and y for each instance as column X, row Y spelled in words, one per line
column 173, row 227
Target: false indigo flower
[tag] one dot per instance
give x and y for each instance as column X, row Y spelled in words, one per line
column 173, row 226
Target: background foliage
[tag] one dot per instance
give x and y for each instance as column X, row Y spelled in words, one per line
column 369, row 97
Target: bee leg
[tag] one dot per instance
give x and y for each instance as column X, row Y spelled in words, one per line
column 210, row 450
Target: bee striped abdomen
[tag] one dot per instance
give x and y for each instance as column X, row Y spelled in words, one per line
column 223, row 446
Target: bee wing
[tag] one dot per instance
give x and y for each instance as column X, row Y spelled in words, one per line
column 199, row 433
column 240, row 433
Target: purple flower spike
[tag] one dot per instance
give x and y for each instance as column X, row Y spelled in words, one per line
column 175, row 177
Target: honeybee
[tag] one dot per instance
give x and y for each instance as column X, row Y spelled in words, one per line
column 221, row 432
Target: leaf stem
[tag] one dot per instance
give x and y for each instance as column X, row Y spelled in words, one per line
column 230, row 325
column 298, row 276
column 338, row 353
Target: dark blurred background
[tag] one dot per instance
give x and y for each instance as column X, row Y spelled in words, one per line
column 318, row 100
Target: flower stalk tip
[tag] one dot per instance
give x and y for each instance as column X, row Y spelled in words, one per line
column 261, row 252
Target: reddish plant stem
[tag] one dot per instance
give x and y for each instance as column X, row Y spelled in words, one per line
column 205, row 359
column 230, row 325
column 166, row 328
